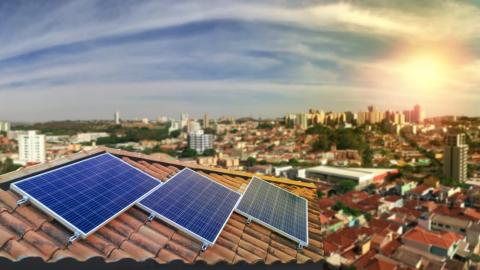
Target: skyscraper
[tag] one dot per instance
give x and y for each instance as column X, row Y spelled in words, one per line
column 117, row 118
column 31, row 147
column 417, row 114
column 455, row 157
column 205, row 121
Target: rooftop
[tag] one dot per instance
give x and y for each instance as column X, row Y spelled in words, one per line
column 26, row 232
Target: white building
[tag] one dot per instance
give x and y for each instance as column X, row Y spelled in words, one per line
column 184, row 120
column 174, row 125
column 117, row 118
column 200, row 141
column 31, row 147
column 88, row 137
column 361, row 176
column 4, row 126
column 193, row 127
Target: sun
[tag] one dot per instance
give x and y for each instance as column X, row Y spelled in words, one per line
column 423, row 71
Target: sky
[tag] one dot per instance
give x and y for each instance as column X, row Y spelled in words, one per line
column 87, row 59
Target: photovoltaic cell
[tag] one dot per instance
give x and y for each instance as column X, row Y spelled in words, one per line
column 86, row 194
column 277, row 209
column 193, row 203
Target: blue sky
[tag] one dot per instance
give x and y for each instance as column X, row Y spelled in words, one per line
column 86, row 59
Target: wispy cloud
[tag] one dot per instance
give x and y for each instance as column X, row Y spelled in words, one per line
column 123, row 55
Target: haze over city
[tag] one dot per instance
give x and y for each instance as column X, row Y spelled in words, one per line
column 86, row 59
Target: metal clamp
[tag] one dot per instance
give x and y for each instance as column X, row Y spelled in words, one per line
column 204, row 246
column 22, row 201
column 73, row 238
column 299, row 247
column 249, row 220
column 151, row 217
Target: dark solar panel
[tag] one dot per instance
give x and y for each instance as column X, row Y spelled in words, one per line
column 87, row 194
column 277, row 209
column 193, row 203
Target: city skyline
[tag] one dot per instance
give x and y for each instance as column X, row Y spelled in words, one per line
column 88, row 59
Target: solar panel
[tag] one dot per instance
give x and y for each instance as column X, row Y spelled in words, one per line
column 277, row 209
column 193, row 203
column 87, row 194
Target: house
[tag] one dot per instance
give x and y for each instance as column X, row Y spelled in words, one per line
column 26, row 232
column 442, row 244
column 421, row 192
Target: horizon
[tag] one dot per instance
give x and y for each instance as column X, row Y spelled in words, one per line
column 88, row 59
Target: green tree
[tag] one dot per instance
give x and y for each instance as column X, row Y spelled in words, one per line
column 189, row 153
column 294, row 162
column 345, row 186
column 175, row 133
column 251, row 161
column 8, row 166
column 209, row 152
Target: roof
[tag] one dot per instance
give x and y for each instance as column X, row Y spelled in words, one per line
column 440, row 239
column 26, row 232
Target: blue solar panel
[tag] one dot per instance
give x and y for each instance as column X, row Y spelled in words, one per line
column 193, row 203
column 277, row 209
column 85, row 195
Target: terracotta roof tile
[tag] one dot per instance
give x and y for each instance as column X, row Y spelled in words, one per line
column 15, row 223
column 188, row 255
column 6, row 235
column 216, row 254
column 117, row 255
column 19, row 250
column 245, row 255
column 82, row 251
column 137, row 252
column 41, row 242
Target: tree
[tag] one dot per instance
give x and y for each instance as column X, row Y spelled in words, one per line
column 209, row 130
column 251, row 161
column 367, row 157
column 320, row 194
column 209, row 152
column 345, row 186
column 175, row 133
column 8, row 166
column 189, row 153
column 294, row 162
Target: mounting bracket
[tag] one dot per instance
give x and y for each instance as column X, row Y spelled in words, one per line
column 73, row 238
column 151, row 217
column 204, row 246
column 22, row 201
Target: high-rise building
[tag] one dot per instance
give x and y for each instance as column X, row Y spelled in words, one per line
column 117, row 118
column 199, row 141
column 31, row 147
column 4, row 126
column 184, row 120
column 302, row 120
column 417, row 114
column 193, row 126
column 455, row 157
column 205, row 121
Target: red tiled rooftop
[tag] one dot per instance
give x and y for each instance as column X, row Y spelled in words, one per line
column 438, row 239
column 27, row 232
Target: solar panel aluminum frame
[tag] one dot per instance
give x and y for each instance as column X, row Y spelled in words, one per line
column 205, row 243
column 301, row 243
column 64, row 222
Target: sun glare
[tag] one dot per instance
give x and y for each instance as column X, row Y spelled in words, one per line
column 424, row 72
